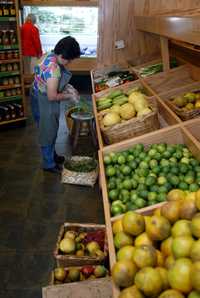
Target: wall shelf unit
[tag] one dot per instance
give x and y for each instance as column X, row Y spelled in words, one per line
column 181, row 31
column 12, row 97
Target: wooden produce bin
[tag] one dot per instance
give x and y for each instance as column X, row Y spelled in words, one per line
column 137, row 69
column 183, row 116
column 98, row 74
column 174, row 78
column 170, row 135
column 193, row 126
column 53, row 280
column 98, row 288
column 64, row 260
column 165, row 116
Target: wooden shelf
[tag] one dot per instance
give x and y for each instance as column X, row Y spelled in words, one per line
column 10, row 98
column 9, row 61
column 10, row 86
column 60, row 2
column 83, row 64
column 186, row 29
column 5, row 74
column 7, row 19
column 10, row 47
column 12, row 121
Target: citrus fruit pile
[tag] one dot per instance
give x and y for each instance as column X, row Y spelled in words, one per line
column 159, row 255
column 140, row 177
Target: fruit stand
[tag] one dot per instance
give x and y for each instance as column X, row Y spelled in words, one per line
column 135, row 169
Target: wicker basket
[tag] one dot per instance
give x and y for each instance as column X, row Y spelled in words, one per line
column 80, row 178
column 184, row 115
column 131, row 128
column 73, row 260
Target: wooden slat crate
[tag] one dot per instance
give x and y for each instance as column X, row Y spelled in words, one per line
column 170, row 135
column 98, row 288
column 194, row 87
column 165, row 116
column 193, row 126
column 174, row 78
column 102, row 72
column 52, row 276
column 64, row 260
column 137, row 68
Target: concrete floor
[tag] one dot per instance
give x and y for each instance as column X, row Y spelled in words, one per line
column 33, row 205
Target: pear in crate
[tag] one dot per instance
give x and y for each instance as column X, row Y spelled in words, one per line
column 67, row 245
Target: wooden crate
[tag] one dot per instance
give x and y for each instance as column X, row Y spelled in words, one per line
column 193, row 127
column 137, row 68
column 178, row 92
column 102, row 72
column 174, row 78
column 166, row 117
column 170, row 135
column 72, row 260
column 52, row 276
column 98, row 288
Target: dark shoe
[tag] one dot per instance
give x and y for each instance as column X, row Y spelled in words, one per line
column 55, row 170
column 59, row 159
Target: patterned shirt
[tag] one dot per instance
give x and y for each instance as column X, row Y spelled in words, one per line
column 47, row 68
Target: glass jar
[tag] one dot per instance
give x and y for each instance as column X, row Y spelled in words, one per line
column 15, row 66
column 1, row 37
column 10, row 81
column 6, row 10
column 17, row 80
column 2, row 55
column 1, row 10
column 16, row 54
column 9, row 55
column 19, row 91
column 13, row 37
column 5, row 81
column 8, row 93
column 12, row 10
column 9, row 67
column 5, row 38
column 14, row 92
column 3, row 67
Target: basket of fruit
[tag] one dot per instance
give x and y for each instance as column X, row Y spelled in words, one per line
column 127, row 115
column 81, row 244
column 186, row 106
column 159, row 255
column 65, row 275
column 80, row 170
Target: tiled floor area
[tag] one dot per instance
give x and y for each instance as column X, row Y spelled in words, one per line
column 33, row 205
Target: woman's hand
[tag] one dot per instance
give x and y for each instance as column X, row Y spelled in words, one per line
column 71, row 93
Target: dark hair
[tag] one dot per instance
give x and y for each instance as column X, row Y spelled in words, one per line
column 68, row 47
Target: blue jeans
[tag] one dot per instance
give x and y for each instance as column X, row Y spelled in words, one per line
column 48, row 151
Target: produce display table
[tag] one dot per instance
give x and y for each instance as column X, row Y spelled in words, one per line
column 173, row 130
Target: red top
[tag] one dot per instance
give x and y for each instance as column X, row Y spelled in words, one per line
column 31, row 45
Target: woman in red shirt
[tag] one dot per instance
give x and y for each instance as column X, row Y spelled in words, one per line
column 31, row 45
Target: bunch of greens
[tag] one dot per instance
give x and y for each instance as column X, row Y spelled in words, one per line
column 155, row 68
column 81, row 165
column 84, row 105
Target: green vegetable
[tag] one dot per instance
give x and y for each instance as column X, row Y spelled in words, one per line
column 155, row 68
column 81, row 166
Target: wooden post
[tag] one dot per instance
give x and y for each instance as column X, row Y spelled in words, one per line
column 165, row 53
